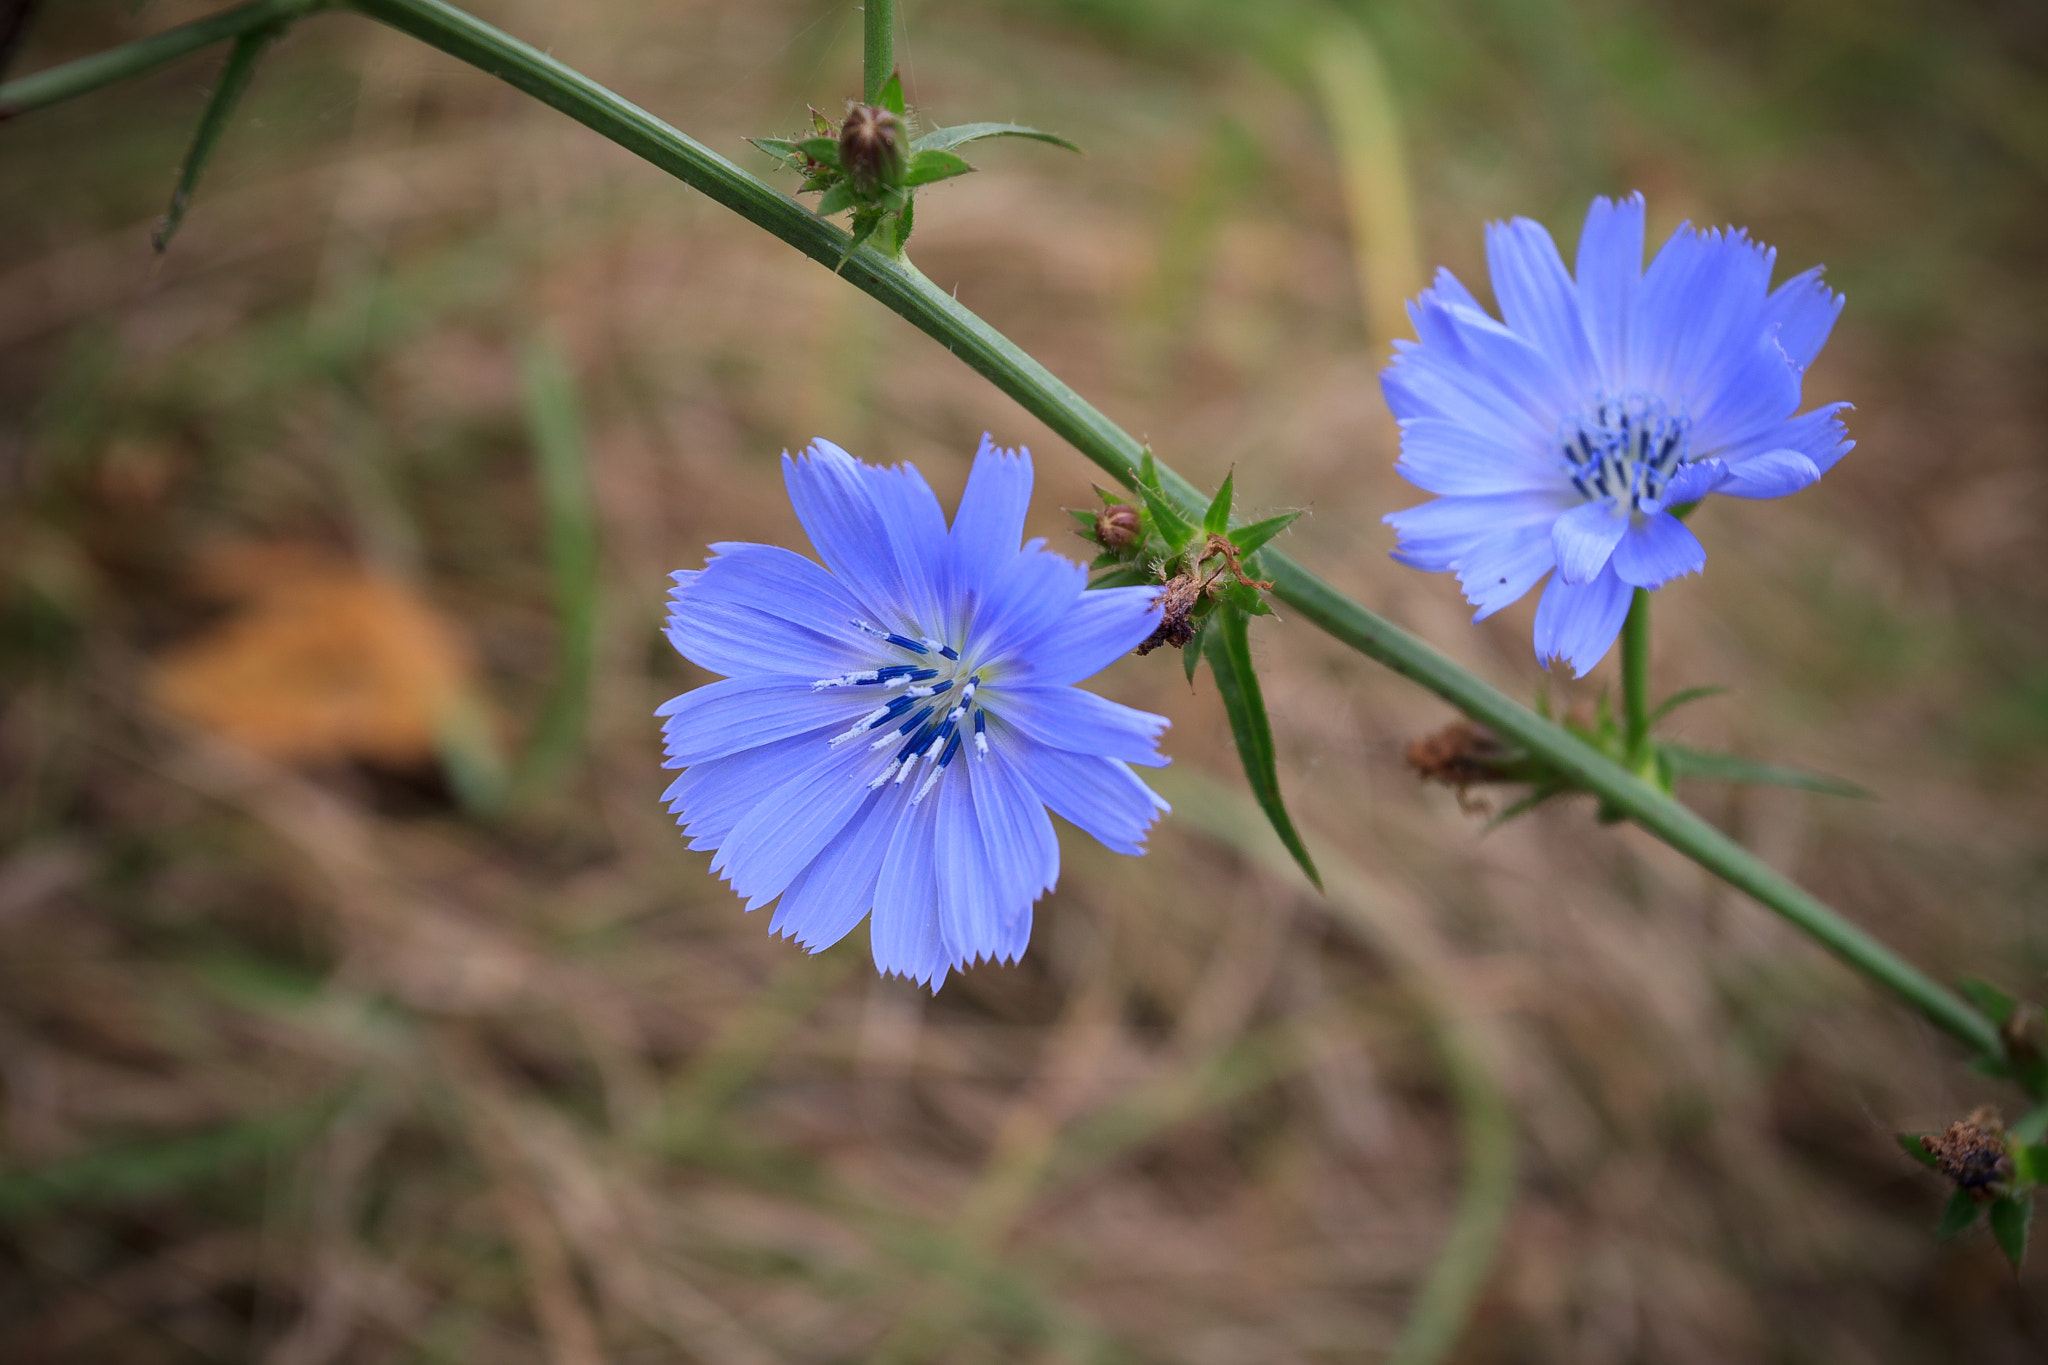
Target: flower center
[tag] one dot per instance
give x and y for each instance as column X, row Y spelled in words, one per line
column 1624, row 448
column 934, row 709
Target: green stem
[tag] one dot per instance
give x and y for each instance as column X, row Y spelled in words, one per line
column 878, row 46
column 132, row 59
column 900, row 287
column 1635, row 680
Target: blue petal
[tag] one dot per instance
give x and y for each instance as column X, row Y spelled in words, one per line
column 1772, row 474
column 1755, row 389
column 1818, row 435
column 1438, row 534
column 1030, row 595
column 793, row 824
column 916, row 528
column 1698, row 312
column 1804, row 312
column 712, row 797
column 1498, row 571
column 1098, row 629
column 732, row 714
column 1023, row 851
column 1099, row 796
column 763, row 609
column 1692, row 482
column 838, row 512
column 1081, row 722
column 903, row 930
column 1656, row 550
column 832, row 895
column 1578, row 622
column 1537, row 296
column 1491, row 365
column 1442, row 456
column 1585, row 537
column 990, row 523
column 1610, row 267
column 970, row 911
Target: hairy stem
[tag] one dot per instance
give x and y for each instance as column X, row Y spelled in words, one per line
column 1635, row 679
column 899, row 286
column 132, row 59
column 878, row 46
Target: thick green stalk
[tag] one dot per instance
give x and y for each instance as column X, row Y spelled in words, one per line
column 878, row 46
column 132, row 59
column 1635, row 680
column 899, row 286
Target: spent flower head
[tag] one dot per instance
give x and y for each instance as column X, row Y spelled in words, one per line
column 891, row 728
column 1566, row 437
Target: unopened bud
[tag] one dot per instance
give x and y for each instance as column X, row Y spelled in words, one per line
column 1117, row 526
column 871, row 148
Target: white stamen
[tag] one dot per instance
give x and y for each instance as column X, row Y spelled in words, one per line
column 882, row 778
column 931, row 779
column 861, row 727
column 980, row 744
column 904, row 771
column 846, row 680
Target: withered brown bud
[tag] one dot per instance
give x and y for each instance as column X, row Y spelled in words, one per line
column 1117, row 526
column 1176, row 600
column 871, row 150
column 1972, row 1151
column 1462, row 755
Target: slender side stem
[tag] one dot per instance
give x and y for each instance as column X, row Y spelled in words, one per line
column 878, row 46
column 132, row 59
column 1635, row 680
column 899, row 286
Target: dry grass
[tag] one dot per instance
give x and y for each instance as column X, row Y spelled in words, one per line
column 308, row 1062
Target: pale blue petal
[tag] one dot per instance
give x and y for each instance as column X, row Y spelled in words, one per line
column 1031, row 594
column 732, row 714
column 1656, row 550
column 1537, row 297
column 1440, row 456
column 1437, row 535
column 712, row 797
column 1772, row 474
column 1492, row 366
column 1585, row 537
column 1818, row 435
column 1101, row 627
column 903, row 931
column 1083, row 723
column 1578, row 622
column 832, row 895
column 838, row 512
column 1691, row 483
column 1804, row 312
column 1756, row 393
column 1023, row 851
column 1099, row 796
column 1700, row 303
column 990, row 523
column 970, row 911
column 916, row 527
column 792, row 824
column 1610, row 268
column 1500, row 570
column 763, row 609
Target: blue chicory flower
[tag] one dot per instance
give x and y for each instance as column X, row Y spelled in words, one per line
column 1563, row 437
column 891, row 728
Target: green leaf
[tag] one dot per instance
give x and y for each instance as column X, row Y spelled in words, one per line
column 891, row 97
column 1915, row 1145
column 837, row 199
column 1167, row 520
column 1685, row 698
column 220, row 107
column 903, row 224
column 1249, row 540
column 2031, row 1126
column 1543, row 793
column 824, row 150
column 1988, row 998
column 1957, row 1217
column 1082, row 515
column 1216, row 520
column 1130, row 576
column 1191, row 653
column 865, row 224
column 1698, row 763
column 2030, row 1162
column 932, row 164
column 780, row 147
column 2009, row 1219
column 945, row 139
column 1228, row 649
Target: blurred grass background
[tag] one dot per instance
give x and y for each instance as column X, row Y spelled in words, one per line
column 358, row 1002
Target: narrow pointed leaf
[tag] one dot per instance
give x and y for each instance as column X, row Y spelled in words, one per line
column 1129, row 577
column 1711, row 767
column 891, row 97
column 1685, row 698
column 1988, row 998
column 1217, row 519
column 1527, row 804
column 1191, row 652
column 945, row 139
column 1082, row 515
column 824, row 150
column 931, row 165
column 1957, row 1217
column 1249, row 540
column 2030, row 1160
column 840, row 197
column 1230, row 659
column 2009, row 1219
column 1915, row 1145
column 2032, row 1126
column 780, row 147
column 220, row 107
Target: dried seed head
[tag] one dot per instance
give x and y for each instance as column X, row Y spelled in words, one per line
column 871, row 148
column 1117, row 526
column 1972, row 1151
column 1461, row 755
column 1176, row 600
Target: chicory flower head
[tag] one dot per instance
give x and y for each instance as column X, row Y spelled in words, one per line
column 1562, row 438
column 891, row 728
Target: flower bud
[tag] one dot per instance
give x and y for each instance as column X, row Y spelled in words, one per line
column 871, row 149
column 1972, row 1152
column 1117, row 526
